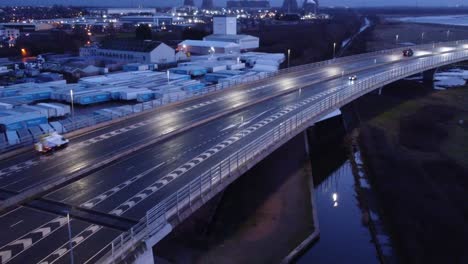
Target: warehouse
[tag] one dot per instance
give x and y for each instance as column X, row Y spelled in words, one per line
column 140, row 51
column 202, row 47
column 246, row 42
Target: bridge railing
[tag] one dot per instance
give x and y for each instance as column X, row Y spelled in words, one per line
column 228, row 169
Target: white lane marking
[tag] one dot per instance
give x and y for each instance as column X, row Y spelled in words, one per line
column 17, row 223
column 229, row 127
column 160, row 183
column 96, row 200
column 7, row 213
column 5, row 256
column 18, row 246
column 61, row 251
column 65, row 248
column 27, row 164
column 206, row 155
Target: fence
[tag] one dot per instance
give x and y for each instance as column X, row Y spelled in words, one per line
column 231, row 167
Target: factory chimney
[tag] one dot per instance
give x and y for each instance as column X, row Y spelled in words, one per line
column 207, row 4
column 290, row 6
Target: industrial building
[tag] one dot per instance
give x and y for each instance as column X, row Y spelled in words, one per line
column 224, row 25
column 11, row 33
column 207, row 4
column 290, row 6
column 189, row 3
column 225, row 30
column 245, row 42
column 129, row 51
column 310, row 6
column 248, row 4
column 203, row 47
column 26, row 27
column 156, row 21
column 120, row 11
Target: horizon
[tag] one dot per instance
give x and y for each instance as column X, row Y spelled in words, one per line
column 222, row 3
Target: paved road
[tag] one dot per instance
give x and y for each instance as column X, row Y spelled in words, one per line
column 27, row 170
column 131, row 186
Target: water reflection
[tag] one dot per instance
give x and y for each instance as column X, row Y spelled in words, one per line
column 343, row 237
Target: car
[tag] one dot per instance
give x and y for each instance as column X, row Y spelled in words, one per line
column 352, row 78
column 50, row 142
column 408, row 53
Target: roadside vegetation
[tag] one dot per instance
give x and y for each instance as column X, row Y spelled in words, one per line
column 416, row 151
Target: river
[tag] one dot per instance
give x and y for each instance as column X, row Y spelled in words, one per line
column 343, row 237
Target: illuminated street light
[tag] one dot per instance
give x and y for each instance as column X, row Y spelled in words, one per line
column 212, row 51
column 396, row 39
column 289, row 56
column 72, row 106
column 335, row 199
column 334, row 49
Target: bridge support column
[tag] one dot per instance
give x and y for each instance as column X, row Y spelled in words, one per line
column 145, row 257
column 428, row 76
column 306, row 142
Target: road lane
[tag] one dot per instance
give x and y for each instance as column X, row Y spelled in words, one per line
column 78, row 155
column 205, row 138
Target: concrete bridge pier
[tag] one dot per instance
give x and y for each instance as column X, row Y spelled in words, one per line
column 428, row 76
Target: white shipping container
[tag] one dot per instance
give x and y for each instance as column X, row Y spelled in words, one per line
column 5, row 106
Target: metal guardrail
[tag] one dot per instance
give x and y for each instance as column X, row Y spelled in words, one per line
column 88, row 121
column 224, row 171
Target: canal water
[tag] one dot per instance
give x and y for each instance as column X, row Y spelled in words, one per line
column 343, row 237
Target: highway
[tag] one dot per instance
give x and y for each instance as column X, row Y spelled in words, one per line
column 127, row 188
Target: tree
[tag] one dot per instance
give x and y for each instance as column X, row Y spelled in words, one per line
column 143, row 31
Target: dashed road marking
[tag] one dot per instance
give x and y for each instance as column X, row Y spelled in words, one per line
column 136, row 199
column 93, row 202
column 17, row 223
column 72, row 148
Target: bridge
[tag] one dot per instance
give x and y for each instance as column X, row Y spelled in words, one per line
column 123, row 187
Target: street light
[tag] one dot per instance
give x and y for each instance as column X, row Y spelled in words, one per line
column 334, row 49
column 422, row 37
column 70, row 239
column 212, row 51
column 72, row 106
column 289, row 56
column 396, row 39
column 448, row 34
column 168, row 76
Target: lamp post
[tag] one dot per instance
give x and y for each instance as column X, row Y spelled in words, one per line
column 289, row 56
column 212, row 51
column 396, row 39
column 422, row 37
column 70, row 239
column 334, row 49
column 448, row 35
column 72, row 106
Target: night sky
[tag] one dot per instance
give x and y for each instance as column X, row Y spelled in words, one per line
column 222, row 2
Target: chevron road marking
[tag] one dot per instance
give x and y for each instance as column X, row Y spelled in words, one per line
column 142, row 195
column 18, row 246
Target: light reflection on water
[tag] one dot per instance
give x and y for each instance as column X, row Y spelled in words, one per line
column 343, row 237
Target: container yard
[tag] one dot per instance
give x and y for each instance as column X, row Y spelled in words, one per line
column 28, row 110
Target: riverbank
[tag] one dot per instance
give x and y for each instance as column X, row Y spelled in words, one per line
column 416, row 150
column 260, row 218
column 385, row 31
